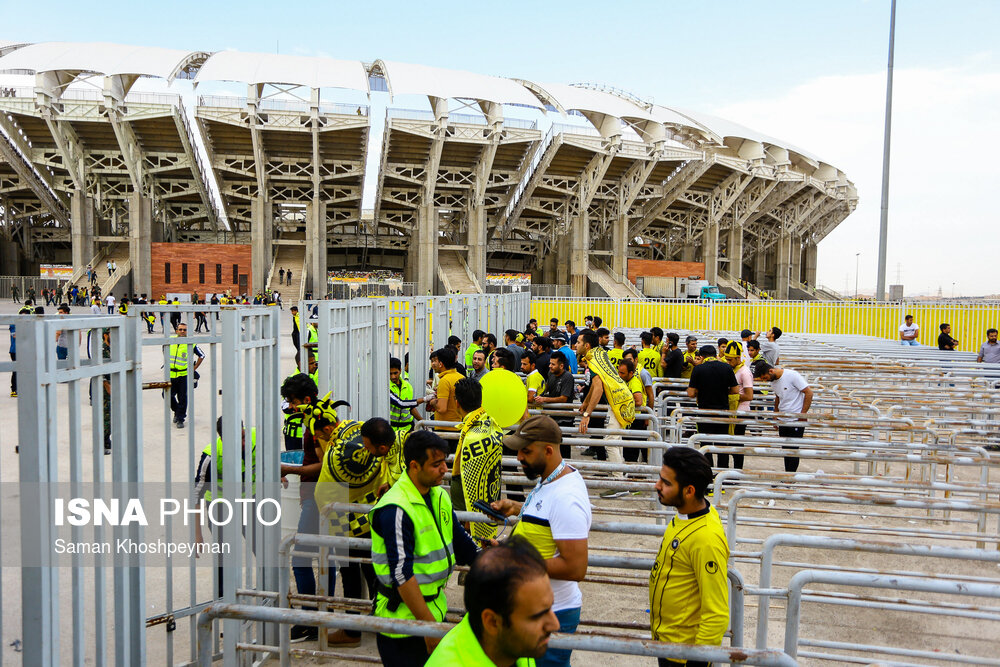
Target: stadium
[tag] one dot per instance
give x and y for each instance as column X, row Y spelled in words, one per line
column 880, row 545
column 95, row 169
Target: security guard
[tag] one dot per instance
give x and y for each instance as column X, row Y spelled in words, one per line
column 179, row 372
column 203, row 480
column 688, row 585
column 416, row 541
column 402, row 405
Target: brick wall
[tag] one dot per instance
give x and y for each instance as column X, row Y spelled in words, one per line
column 664, row 269
column 195, row 255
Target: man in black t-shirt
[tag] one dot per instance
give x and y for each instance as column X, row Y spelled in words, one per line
column 558, row 389
column 712, row 381
column 945, row 341
column 673, row 359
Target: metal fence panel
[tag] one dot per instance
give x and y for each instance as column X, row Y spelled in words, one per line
column 419, row 345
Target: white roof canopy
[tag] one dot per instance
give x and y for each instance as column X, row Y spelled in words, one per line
column 259, row 68
column 406, row 79
column 727, row 128
column 101, row 58
column 592, row 101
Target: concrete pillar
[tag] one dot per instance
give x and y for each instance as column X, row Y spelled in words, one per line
column 140, row 242
column 262, row 242
column 476, row 241
column 796, row 259
column 710, row 252
column 810, row 261
column 82, row 229
column 427, row 249
column 579, row 260
column 562, row 251
column 10, row 264
column 687, row 252
column 316, row 248
column 734, row 251
column 759, row 267
column 619, row 246
column 784, row 251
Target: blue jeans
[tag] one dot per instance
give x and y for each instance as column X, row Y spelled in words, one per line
column 302, row 567
column 914, row 343
column 62, row 352
column 559, row 657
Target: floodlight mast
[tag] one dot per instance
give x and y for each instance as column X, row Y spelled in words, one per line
column 884, row 219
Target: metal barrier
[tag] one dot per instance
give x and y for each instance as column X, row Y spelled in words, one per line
column 639, row 647
column 795, row 598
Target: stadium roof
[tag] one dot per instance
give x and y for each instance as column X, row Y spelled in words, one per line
column 101, row 58
column 406, row 79
column 403, row 79
column 261, row 68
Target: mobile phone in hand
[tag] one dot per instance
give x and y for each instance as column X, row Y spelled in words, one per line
column 486, row 509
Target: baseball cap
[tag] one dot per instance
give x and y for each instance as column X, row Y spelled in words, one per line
column 559, row 336
column 519, row 338
column 746, row 333
column 540, row 428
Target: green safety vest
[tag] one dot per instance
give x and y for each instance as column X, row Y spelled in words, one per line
column 433, row 552
column 217, row 463
column 460, row 647
column 178, row 359
column 293, row 426
column 400, row 417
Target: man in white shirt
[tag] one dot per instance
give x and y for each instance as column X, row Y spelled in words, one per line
column 110, row 303
column 792, row 394
column 908, row 332
column 555, row 518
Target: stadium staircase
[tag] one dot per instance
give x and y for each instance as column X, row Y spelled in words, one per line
column 732, row 288
column 615, row 287
column 117, row 252
column 289, row 257
column 455, row 274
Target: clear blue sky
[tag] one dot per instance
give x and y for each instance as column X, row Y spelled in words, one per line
column 712, row 56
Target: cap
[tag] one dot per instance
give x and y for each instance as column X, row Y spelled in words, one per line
column 540, row 428
column 559, row 336
column 519, row 338
column 734, row 349
column 746, row 333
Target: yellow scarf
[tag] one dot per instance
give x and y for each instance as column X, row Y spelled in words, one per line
column 477, row 461
column 616, row 390
column 734, row 399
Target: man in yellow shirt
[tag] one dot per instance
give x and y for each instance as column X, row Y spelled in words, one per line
column 615, row 353
column 445, row 406
column 688, row 585
column 689, row 357
column 649, row 358
column 534, row 380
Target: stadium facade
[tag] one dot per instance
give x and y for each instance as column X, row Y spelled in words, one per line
column 91, row 170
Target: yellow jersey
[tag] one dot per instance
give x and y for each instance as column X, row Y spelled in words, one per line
column 615, row 355
column 635, row 386
column 650, row 360
column 688, row 585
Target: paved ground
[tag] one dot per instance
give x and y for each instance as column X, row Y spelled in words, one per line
column 169, row 452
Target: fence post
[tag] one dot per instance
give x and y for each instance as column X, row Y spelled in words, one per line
column 805, row 317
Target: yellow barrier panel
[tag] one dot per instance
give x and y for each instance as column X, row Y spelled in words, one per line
column 969, row 321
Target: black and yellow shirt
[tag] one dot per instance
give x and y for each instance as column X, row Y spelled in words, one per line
column 350, row 473
column 688, row 586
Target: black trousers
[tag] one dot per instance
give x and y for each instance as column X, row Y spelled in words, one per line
column 402, row 651
column 13, row 376
column 690, row 663
column 179, row 397
column 791, row 462
column 633, row 454
column 738, row 429
column 354, row 577
column 713, row 429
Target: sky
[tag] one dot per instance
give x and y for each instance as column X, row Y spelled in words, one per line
column 810, row 73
